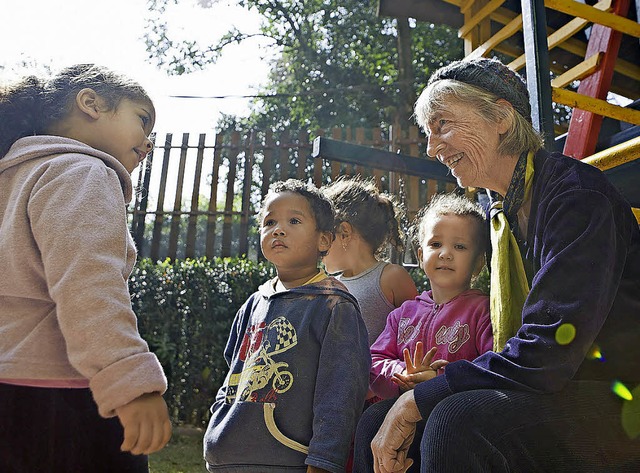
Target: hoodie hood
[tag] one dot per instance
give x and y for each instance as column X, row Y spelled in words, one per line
column 427, row 296
column 41, row 146
column 328, row 286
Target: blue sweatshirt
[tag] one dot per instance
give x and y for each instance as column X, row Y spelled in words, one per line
column 583, row 246
column 299, row 372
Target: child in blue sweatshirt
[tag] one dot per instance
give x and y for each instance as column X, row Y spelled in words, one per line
column 298, row 352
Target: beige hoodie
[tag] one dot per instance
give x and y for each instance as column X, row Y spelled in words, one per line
column 65, row 256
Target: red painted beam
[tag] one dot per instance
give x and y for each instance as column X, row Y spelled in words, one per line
column 584, row 126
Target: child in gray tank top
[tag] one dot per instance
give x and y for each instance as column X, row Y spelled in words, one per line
column 367, row 221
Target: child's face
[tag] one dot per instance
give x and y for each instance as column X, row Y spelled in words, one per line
column 123, row 132
column 288, row 235
column 449, row 253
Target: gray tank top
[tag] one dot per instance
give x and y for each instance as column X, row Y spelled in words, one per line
column 375, row 307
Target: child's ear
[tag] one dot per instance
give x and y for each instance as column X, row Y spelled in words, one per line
column 89, row 103
column 324, row 242
column 420, row 255
column 345, row 230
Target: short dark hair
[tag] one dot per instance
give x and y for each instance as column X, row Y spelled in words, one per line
column 321, row 206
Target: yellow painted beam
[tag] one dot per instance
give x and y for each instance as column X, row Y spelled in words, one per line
column 579, row 71
column 573, row 8
column 616, row 155
column 597, row 106
column 506, row 32
column 483, row 13
column 562, row 35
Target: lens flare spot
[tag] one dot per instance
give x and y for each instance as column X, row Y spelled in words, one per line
column 595, row 353
column 621, row 390
column 631, row 415
column 565, row 334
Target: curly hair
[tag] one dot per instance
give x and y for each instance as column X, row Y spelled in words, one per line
column 32, row 105
column 452, row 204
column 321, row 206
column 374, row 215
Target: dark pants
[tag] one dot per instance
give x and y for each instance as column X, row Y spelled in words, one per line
column 577, row 430
column 59, row 430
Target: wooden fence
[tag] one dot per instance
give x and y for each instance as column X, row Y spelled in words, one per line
column 199, row 197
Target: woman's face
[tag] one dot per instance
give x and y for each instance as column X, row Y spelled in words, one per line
column 468, row 145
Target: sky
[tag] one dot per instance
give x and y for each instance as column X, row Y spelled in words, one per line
column 59, row 33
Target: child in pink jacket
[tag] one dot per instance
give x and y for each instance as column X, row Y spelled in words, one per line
column 451, row 318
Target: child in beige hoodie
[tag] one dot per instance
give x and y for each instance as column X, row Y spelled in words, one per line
column 79, row 389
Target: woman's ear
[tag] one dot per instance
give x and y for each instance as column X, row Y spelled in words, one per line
column 505, row 123
column 89, row 103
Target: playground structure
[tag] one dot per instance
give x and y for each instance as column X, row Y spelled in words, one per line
column 559, row 45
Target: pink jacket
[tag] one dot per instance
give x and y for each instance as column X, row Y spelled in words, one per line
column 460, row 329
column 66, row 253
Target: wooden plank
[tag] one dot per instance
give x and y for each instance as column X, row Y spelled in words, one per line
column 159, row 220
column 412, row 189
column 615, row 21
column 227, row 224
column 561, row 36
column 476, row 18
column 249, row 153
column 303, row 139
column 506, row 32
column 578, row 72
column 176, row 215
column 267, row 164
column 336, row 134
column 318, row 165
column 212, row 211
column 596, row 106
column 141, row 203
column 283, row 155
column 190, row 251
column 584, row 126
column 383, row 160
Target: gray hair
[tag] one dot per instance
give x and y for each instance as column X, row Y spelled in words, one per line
column 521, row 136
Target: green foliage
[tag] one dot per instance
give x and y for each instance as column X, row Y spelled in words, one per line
column 185, row 309
column 337, row 63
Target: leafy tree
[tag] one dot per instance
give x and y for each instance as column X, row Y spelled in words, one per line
column 339, row 63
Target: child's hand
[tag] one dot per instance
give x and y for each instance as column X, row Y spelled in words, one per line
column 420, row 369
column 146, row 424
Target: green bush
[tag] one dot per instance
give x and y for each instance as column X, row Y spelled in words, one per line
column 185, row 309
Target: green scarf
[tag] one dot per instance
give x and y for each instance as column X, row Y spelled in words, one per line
column 509, row 284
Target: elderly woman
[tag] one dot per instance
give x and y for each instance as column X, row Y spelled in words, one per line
column 565, row 303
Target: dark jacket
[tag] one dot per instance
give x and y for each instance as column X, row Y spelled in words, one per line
column 299, row 371
column 583, row 245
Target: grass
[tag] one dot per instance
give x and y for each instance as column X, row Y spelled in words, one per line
column 183, row 454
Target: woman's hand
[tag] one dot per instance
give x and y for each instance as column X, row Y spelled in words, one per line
column 391, row 444
column 421, row 368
